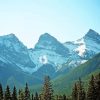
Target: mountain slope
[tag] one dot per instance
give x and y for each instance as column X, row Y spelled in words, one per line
column 14, row 52
column 10, row 74
column 83, row 49
column 48, row 57
column 49, row 50
column 64, row 82
column 48, row 42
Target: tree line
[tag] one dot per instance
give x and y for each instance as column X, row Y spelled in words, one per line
column 78, row 91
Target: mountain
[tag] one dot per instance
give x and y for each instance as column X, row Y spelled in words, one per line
column 14, row 52
column 78, row 52
column 89, row 43
column 70, row 54
column 83, row 49
column 49, row 50
column 48, row 42
column 48, row 57
column 92, row 42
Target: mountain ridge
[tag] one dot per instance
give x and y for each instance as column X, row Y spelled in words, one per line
column 46, row 41
column 55, row 56
column 48, row 46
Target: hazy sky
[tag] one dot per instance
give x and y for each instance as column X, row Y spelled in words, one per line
column 64, row 19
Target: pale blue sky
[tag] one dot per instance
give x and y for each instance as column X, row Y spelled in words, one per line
column 64, row 19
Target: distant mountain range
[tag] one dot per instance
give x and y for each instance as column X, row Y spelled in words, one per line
column 48, row 57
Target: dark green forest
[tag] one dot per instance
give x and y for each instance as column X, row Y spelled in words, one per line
column 79, row 92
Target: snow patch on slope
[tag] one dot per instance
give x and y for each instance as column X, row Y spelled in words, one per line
column 81, row 48
column 43, row 59
column 40, row 57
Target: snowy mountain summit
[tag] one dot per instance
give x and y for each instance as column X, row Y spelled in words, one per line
column 12, row 43
column 93, row 35
column 49, row 50
column 89, row 45
column 14, row 52
column 48, row 42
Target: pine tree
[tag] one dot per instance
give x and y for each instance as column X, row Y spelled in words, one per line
column 32, row 97
column 1, row 92
column 47, row 89
column 40, row 97
column 81, row 91
column 91, row 94
column 57, row 97
column 36, row 96
column 14, row 94
column 97, row 83
column 64, row 97
column 75, row 92
column 60, row 97
column 27, row 93
column 21, row 95
column 7, row 94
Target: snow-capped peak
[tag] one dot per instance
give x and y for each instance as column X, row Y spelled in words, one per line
column 93, row 35
column 11, row 42
column 48, row 42
column 9, row 36
column 46, row 35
